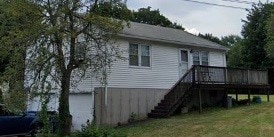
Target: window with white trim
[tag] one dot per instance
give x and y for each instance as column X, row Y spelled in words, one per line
column 200, row 58
column 204, row 60
column 139, row 55
column 196, row 58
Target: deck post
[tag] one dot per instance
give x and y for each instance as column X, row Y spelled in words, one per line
column 226, row 98
column 198, row 74
column 193, row 75
column 225, row 75
column 200, row 100
column 237, row 95
column 268, row 95
column 249, row 95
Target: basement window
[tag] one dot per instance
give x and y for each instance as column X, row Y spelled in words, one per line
column 139, row 55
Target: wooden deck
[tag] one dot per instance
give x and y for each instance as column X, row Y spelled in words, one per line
column 230, row 80
column 245, row 81
column 228, row 77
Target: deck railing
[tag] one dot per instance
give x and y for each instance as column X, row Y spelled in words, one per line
column 222, row 75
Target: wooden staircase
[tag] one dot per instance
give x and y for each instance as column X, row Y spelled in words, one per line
column 201, row 77
column 176, row 97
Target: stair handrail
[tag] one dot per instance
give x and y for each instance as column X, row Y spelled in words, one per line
column 182, row 78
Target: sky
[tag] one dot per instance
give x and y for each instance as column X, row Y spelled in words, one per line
column 201, row 18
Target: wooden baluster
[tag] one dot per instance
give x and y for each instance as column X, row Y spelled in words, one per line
column 268, row 95
column 248, row 78
column 193, row 74
column 225, row 75
column 200, row 100
column 198, row 73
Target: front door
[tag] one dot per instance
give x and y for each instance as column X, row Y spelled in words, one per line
column 183, row 61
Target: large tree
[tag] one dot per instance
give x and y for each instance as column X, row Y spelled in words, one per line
column 254, row 34
column 230, row 40
column 68, row 39
column 153, row 17
column 17, row 24
column 113, row 9
column 234, row 55
column 210, row 37
column 270, row 36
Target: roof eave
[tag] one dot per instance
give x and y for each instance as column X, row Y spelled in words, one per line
column 171, row 41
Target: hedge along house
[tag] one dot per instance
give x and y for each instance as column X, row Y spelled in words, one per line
column 159, row 77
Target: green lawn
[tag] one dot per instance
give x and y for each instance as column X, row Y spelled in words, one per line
column 256, row 120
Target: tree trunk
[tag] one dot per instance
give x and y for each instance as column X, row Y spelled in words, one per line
column 64, row 113
column 1, row 97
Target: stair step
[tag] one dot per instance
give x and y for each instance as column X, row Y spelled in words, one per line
column 164, row 104
column 156, row 115
column 160, row 107
column 159, row 111
column 168, row 101
column 177, row 97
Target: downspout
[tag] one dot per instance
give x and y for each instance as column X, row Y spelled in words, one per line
column 93, row 96
column 105, row 77
column 106, row 94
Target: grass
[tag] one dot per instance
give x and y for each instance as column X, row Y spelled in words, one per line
column 256, row 120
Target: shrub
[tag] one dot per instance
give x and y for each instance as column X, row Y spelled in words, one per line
column 91, row 130
column 132, row 117
column 256, row 99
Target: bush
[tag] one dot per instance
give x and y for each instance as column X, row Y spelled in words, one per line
column 91, row 130
column 132, row 117
column 256, row 99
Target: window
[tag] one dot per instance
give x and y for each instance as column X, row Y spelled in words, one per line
column 204, row 58
column 145, row 56
column 200, row 58
column 133, row 55
column 184, row 56
column 139, row 55
column 196, row 58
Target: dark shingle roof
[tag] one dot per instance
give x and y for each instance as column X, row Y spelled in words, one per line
column 169, row 35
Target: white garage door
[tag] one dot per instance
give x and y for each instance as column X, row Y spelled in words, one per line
column 81, row 107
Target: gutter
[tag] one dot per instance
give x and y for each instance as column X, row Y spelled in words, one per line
column 171, row 41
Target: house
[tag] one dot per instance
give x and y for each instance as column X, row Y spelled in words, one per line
column 158, row 60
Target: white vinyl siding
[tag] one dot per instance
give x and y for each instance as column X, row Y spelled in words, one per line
column 217, row 59
column 162, row 74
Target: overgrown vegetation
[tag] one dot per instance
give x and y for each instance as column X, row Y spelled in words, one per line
column 132, row 117
column 91, row 130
